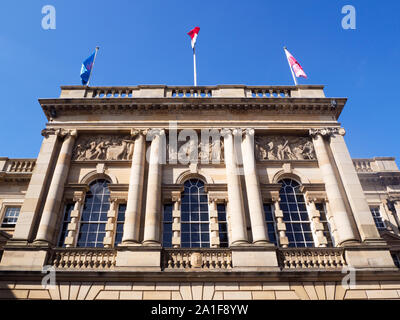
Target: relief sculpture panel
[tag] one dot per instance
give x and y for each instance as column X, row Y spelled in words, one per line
column 193, row 150
column 103, row 147
column 284, row 148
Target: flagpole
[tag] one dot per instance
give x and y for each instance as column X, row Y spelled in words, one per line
column 94, row 60
column 194, row 66
column 290, row 67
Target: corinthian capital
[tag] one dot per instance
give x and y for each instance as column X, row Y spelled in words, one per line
column 226, row 132
column 327, row 132
column 59, row 132
column 249, row 131
column 136, row 132
column 67, row 133
column 156, row 132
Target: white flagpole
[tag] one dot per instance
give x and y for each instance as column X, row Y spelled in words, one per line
column 290, row 67
column 194, row 66
column 94, row 60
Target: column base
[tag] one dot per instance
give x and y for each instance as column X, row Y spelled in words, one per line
column 130, row 243
column 240, row 243
column 41, row 243
column 263, row 243
column 151, row 243
column 347, row 243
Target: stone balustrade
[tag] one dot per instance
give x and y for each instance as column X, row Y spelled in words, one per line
column 219, row 91
column 17, row 165
column 110, row 92
column 81, row 259
column 362, row 165
column 210, row 259
column 377, row 164
column 312, row 258
column 189, row 92
column 268, row 92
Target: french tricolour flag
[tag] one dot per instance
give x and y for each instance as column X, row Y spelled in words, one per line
column 193, row 35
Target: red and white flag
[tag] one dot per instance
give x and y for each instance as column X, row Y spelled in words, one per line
column 193, row 35
column 295, row 65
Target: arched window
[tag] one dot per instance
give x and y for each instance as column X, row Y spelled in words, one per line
column 94, row 215
column 295, row 215
column 194, row 216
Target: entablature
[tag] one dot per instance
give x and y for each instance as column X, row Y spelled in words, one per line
column 173, row 99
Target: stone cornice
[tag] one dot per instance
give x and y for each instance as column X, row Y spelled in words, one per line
column 54, row 108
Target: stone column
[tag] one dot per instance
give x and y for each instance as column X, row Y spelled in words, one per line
column 255, row 203
column 352, row 186
column 280, row 225
column 317, row 225
column 176, row 219
column 342, row 217
column 73, row 226
column 34, row 194
column 153, row 198
column 135, row 192
column 110, row 226
column 236, row 207
column 53, row 201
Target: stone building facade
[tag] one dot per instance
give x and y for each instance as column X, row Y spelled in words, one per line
column 217, row 192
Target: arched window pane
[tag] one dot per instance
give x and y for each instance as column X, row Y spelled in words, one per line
column 194, row 216
column 94, row 215
column 295, row 215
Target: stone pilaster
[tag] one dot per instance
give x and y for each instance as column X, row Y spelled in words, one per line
column 37, row 185
column 236, row 207
column 135, row 192
column 280, row 225
column 342, row 217
column 52, row 205
column 352, row 186
column 255, row 203
column 153, row 199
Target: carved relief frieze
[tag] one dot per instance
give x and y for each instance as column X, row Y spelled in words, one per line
column 270, row 147
column 103, row 147
column 192, row 150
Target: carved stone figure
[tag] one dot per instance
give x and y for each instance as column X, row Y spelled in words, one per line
column 103, row 147
column 191, row 151
column 284, row 148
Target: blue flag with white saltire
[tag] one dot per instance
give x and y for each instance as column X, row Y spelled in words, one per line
column 86, row 69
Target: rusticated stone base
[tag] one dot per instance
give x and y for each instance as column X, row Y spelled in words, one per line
column 201, row 290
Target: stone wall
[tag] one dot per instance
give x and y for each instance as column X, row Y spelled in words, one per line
column 201, row 290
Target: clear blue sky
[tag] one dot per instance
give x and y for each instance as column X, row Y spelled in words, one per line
column 240, row 42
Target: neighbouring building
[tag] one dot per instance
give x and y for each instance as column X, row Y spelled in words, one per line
column 215, row 192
